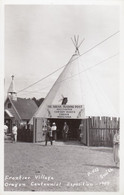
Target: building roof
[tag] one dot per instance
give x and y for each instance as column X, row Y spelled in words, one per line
column 25, row 107
column 9, row 113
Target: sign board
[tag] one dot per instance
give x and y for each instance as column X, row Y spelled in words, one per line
column 66, row 111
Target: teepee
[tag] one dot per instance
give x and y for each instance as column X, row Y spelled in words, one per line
column 77, row 86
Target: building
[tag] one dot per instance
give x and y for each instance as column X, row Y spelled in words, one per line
column 17, row 110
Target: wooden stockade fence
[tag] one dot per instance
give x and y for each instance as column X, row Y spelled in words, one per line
column 99, row 131
column 25, row 135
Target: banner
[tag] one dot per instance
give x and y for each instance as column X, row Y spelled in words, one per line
column 66, row 111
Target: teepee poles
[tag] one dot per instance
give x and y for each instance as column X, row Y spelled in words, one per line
column 76, row 43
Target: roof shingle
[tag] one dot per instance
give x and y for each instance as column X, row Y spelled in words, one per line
column 25, row 107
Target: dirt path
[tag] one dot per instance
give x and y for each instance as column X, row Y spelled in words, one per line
column 61, row 167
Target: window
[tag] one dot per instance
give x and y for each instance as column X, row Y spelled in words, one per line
column 9, row 105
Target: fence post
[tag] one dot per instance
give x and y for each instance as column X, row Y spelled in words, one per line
column 88, row 133
column 34, row 130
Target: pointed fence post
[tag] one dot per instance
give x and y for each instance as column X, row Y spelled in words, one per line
column 88, row 131
column 34, row 130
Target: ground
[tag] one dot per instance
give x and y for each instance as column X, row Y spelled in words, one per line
column 60, row 167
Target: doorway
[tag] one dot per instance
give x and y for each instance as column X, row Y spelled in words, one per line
column 73, row 128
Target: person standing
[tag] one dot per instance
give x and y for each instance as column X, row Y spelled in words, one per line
column 80, row 132
column 116, row 143
column 48, row 134
column 14, row 133
column 5, row 129
column 65, row 131
column 44, row 129
column 54, row 128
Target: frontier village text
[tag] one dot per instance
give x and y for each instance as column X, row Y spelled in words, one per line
column 43, row 180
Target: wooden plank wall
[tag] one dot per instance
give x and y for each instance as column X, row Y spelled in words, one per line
column 84, row 132
column 102, row 130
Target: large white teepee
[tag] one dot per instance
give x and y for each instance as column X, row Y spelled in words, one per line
column 78, row 86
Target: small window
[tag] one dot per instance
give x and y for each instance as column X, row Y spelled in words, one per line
column 9, row 105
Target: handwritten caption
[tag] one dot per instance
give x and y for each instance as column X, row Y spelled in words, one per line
column 20, row 181
column 96, row 170
column 44, row 180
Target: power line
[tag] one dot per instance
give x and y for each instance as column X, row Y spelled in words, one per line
column 100, row 43
column 101, row 62
column 41, row 79
column 68, row 62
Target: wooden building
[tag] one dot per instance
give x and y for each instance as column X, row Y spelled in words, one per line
column 17, row 110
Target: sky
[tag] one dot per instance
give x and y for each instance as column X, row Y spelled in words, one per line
column 38, row 41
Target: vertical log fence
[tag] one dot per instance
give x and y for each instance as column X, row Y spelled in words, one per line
column 100, row 130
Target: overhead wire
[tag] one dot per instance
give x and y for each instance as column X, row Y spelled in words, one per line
column 101, row 62
column 67, row 63
column 40, row 79
column 89, row 67
column 100, row 43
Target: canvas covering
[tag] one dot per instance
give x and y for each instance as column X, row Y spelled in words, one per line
column 80, row 88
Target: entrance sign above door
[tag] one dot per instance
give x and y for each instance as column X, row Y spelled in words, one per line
column 66, row 111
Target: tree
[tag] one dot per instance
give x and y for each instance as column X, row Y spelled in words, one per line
column 38, row 101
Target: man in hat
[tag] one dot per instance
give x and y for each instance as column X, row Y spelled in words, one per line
column 54, row 128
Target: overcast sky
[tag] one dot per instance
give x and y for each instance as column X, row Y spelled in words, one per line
column 38, row 41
